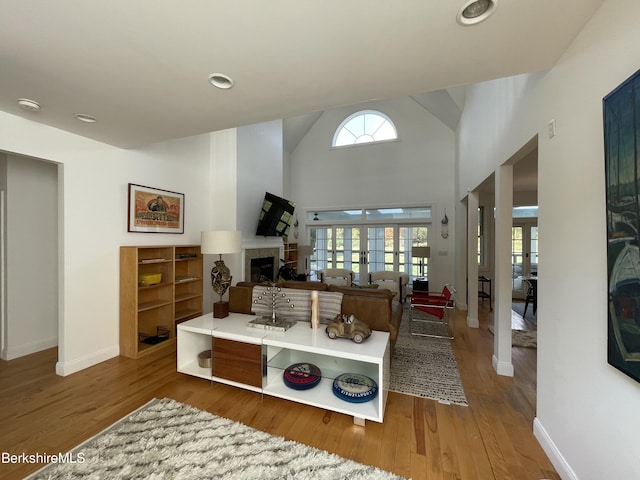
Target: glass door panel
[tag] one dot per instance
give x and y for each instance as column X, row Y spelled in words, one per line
column 347, row 250
column 367, row 249
column 517, row 256
column 533, row 250
column 335, row 247
column 524, row 255
column 321, row 240
column 381, row 248
column 410, row 236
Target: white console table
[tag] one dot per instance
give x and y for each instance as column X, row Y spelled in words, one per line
column 255, row 359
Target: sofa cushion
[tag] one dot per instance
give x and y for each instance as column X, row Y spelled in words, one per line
column 375, row 307
column 382, row 293
column 312, row 285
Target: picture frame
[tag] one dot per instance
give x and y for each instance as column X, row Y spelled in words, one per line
column 153, row 210
column 621, row 109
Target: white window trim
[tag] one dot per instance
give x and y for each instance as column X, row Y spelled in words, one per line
column 374, row 142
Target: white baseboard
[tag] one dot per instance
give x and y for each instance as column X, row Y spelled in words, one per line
column 67, row 368
column 561, row 465
column 502, row 368
column 11, row 353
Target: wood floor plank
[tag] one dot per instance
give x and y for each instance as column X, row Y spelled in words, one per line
column 420, row 438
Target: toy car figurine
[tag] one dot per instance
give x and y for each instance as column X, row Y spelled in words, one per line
column 348, row 326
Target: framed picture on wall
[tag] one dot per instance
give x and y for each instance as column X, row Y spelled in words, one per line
column 152, row 210
column 621, row 110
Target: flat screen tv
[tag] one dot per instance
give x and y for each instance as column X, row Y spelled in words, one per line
column 275, row 216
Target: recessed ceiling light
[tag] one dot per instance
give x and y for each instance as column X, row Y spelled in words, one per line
column 220, row 80
column 476, row 11
column 85, row 118
column 29, row 105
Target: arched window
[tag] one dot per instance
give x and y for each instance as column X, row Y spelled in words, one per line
column 365, row 126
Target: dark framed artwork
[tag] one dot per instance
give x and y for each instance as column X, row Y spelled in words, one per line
column 621, row 109
column 152, row 210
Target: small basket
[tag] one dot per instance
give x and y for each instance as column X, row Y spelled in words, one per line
column 204, row 359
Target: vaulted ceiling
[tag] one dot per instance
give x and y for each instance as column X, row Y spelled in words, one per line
column 142, row 67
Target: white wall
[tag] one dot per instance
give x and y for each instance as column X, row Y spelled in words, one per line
column 32, row 257
column 93, row 222
column 246, row 162
column 260, row 170
column 418, row 169
column 587, row 417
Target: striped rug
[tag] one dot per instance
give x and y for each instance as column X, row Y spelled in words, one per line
column 425, row 366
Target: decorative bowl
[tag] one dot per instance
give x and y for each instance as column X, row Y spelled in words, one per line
column 149, row 278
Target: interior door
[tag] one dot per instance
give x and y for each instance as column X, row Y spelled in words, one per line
column 524, row 255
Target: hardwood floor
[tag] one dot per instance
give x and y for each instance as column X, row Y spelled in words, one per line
column 420, row 438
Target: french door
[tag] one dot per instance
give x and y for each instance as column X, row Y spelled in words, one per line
column 524, row 254
column 337, row 247
column 368, row 248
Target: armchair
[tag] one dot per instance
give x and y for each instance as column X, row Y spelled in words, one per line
column 395, row 282
column 435, row 307
column 336, row 276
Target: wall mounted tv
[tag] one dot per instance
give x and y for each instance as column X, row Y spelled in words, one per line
column 275, row 217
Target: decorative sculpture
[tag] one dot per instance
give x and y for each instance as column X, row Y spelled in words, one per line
column 220, row 278
column 275, row 296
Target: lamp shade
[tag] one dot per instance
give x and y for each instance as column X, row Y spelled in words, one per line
column 421, row 252
column 220, row 242
column 305, row 250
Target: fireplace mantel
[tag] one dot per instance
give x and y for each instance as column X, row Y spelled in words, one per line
column 270, row 247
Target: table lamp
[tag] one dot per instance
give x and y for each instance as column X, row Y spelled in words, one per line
column 304, row 252
column 421, row 253
column 220, row 243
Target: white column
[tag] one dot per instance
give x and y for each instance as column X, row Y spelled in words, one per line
column 502, row 312
column 473, row 201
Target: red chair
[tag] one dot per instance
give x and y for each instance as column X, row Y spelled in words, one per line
column 437, row 307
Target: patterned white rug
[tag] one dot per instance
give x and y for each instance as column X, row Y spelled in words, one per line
column 521, row 338
column 165, row 439
column 425, row 366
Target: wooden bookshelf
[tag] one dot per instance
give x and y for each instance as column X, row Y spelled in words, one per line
column 149, row 313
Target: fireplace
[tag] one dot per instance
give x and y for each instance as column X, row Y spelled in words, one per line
column 261, row 261
column 262, row 269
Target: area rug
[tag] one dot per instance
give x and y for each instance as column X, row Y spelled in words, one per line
column 166, row 439
column 518, row 307
column 522, row 338
column 425, row 366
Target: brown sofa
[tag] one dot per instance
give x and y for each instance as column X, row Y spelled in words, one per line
column 375, row 307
